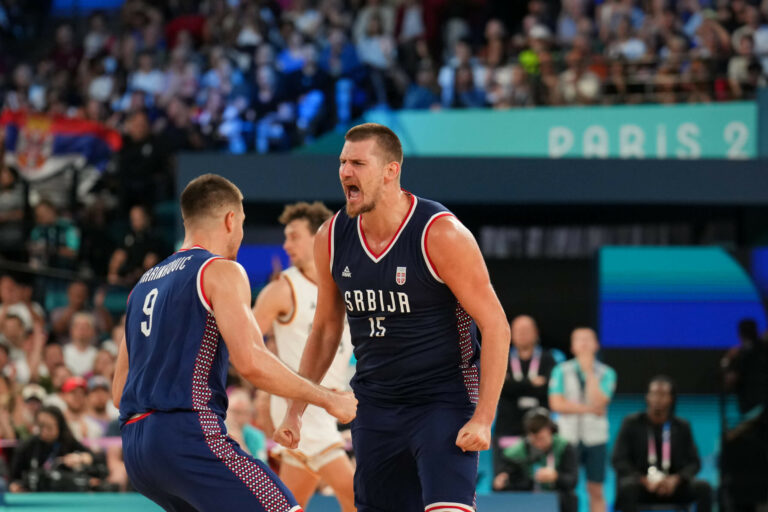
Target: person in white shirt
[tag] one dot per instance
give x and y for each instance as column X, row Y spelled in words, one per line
column 285, row 308
column 80, row 352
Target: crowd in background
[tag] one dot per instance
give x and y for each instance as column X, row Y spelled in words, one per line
column 272, row 74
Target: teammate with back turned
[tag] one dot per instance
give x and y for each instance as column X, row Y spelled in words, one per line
column 414, row 287
column 186, row 319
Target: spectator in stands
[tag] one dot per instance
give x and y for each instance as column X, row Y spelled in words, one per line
column 462, row 56
column 744, row 70
column 525, row 385
column 655, row 456
column 99, row 402
column 377, row 52
column 32, row 396
column 13, row 203
column 128, row 261
column 580, row 390
column 239, row 416
column 423, row 94
column 542, row 461
column 744, row 367
column 11, row 301
column 80, row 423
column 147, row 78
column 54, row 448
column 7, row 404
column 77, row 301
column 54, row 240
column 142, row 167
column 25, row 347
column 104, row 364
column 61, row 374
column 97, row 241
column 465, row 93
column 53, row 357
column 80, row 350
column 577, row 84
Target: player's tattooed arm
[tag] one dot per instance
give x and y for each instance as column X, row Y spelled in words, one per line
column 459, row 263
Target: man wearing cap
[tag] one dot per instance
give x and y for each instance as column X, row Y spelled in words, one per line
column 33, row 396
column 100, row 407
column 542, row 461
column 80, row 424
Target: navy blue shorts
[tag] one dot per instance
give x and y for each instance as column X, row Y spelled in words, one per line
column 594, row 458
column 408, row 461
column 184, row 461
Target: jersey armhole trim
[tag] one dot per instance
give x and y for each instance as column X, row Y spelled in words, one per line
column 200, row 291
column 424, row 251
column 293, row 301
column 331, row 241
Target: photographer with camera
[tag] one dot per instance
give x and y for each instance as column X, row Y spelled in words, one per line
column 655, row 456
column 542, row 461
column 53, row 460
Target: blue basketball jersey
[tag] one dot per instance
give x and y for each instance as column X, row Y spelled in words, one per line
column 413, row 341
column 177, row 359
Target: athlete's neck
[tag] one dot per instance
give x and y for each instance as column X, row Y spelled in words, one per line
column 197, row 239
column 382, row 222
column 309, row 271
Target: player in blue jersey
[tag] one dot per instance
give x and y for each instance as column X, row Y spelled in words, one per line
column 186, row 319
column 414, row 287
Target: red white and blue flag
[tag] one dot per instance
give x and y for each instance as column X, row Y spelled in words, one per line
column 41, row 146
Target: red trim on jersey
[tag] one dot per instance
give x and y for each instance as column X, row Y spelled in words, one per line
column 426, row 240
column 330, row 235
column 193, row 247
column 436, row 508
column 202, row 273
column 394, row 237
column 138, row 418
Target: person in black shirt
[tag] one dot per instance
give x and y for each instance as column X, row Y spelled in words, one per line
column 525, row 385
column 141, row 249
column 655, row 456
column 53, row 449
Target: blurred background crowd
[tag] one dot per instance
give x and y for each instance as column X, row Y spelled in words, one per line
column 272, row 74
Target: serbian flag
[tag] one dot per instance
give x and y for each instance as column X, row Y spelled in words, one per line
column 41, row 146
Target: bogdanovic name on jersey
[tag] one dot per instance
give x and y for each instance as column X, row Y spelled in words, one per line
column 369, row 301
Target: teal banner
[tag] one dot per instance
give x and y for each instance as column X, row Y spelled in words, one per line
column 722, row 130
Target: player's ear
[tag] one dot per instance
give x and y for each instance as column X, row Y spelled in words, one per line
column 229, row 221
column 393, row 171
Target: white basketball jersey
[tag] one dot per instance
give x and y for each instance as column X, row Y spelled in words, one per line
column 291, row 332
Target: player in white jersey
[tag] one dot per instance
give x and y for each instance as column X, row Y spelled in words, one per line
column 285, row 308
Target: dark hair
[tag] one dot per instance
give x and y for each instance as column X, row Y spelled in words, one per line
column 47, row 202
column 315, row 214
column 536, row 419
column 66, row 438
column 664, row 379
column 385, row 138
column 748, row 329
column 206, row 193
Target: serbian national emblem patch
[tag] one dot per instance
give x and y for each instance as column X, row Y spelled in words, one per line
column 400, row 276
